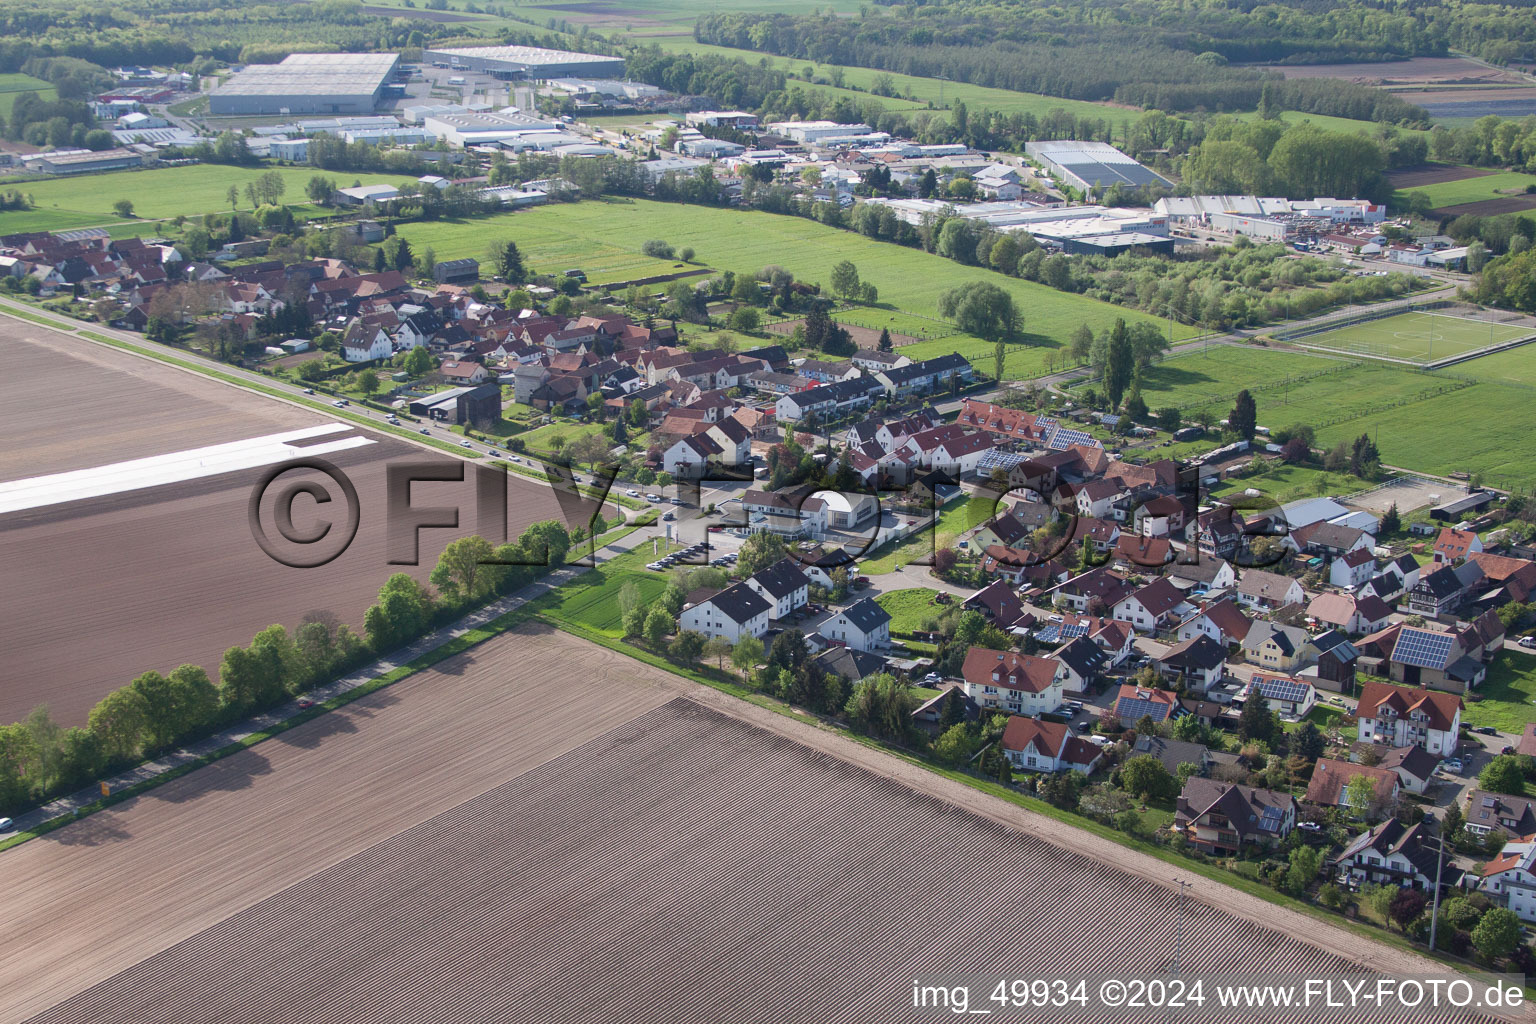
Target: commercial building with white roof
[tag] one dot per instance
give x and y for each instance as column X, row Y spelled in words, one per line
column 307, row 83
column 532, row 62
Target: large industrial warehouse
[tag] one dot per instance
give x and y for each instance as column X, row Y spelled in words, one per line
column 308, row 83
column 1090, row 165
column 532, row 62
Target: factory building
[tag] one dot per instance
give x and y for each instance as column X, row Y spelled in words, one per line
column 471, row 129
column 1092, row 165
column 308, row 83
column 525, row 62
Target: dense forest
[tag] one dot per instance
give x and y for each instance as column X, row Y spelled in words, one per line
column 1147, row 53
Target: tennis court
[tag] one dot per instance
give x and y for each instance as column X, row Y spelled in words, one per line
column 1419, row 337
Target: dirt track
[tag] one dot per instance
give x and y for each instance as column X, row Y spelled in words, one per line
column 97, row 592
column 184, row 857
column 66, row 403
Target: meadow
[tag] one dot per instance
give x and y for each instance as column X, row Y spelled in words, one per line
column 1418, row 337
column 1216, row 375
column 604, row 239
column 1509, row 694
column 909, row 609
column 14, row 84
column 1477, row 189
column 159, row 192
column 591, row 600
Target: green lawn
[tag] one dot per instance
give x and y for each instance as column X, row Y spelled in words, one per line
column 604, row 239
column 162, row 192
column 1420, row 337
column 1509, row 694
column 1215, row 376
column 908, row 609
column 954, row 519
column 1286, row 483
column 1472, row 190
column 591, row 601
column 539, row 438
column 1516, row 364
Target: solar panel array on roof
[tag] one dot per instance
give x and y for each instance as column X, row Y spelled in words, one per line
column 1136, row 707
column 1064, row 439
column 1271, row 819
column 1059, row 631
column 1422, row 648
column 1273, row 688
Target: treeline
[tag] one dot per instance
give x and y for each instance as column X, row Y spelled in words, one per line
column 1269, row 157
column 1490, row 141
column 1098, row 60
column 155, row 713
column 734, row 83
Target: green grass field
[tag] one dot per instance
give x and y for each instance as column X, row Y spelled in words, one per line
column 1509, row 694
column 1473, row 190
column 1418, row 337
column 1286, row 483
column 604, row 239
column 909, row 609
column 1216, row 375
column 1515, row 364
column 162, row 192
column 14, row 84
column 591, row 601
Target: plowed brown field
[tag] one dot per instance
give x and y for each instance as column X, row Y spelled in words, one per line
column 692, row 864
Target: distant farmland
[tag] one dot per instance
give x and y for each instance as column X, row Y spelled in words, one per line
column 685, row 866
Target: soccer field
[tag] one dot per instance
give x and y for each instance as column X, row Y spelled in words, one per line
column 1417, row 337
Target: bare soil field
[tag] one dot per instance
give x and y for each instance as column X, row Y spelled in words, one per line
column 1414, row 71
column 66, row 404
column 1488, row 207
column 1420, row 175
column 99, row 591
column 682, row 866
column 102, row 894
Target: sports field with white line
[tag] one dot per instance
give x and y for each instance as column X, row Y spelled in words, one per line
column 1417, row 337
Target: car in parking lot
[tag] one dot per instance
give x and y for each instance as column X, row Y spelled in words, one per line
column 668, row 517
column 678, row 501
column 932, row 677
column 465, row 444
column 654, row 499
column 1453, row 765
column 632, row 493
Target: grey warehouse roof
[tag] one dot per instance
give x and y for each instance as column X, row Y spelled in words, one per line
column 315, row 74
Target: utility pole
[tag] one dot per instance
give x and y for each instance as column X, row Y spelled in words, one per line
column 1178, row 933
column 1434, row 914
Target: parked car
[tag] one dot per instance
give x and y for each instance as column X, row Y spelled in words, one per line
column 6, row 824
column 1486, row 730
column 668, row 517
column 309, row 391
column 1528, row 642
column 932, row 677
column 654, row 499
column 632, row 493
column 465, row 444
column 305, row 702
column 1453, row 765
column 423, row 430
column 1309, row 826
column 340, row 402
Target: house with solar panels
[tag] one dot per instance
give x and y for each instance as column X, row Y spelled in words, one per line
column 1441, row 661
column 1287, row 696
column 1398, row 717
column 1133, row 703
column 1222, row 818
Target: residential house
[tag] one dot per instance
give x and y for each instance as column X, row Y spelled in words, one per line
column 1221, row 818
column 1083, row 661
column 1162, row 516
column 733, row 613
column 789, row 514
column 1005, row 424
column 864, row 626
column 1515, row 816
column 1267, row 591
column 1329, row 786
column 1133, row 703
column 998, row 602
column 1102, row 587
column 1204, row 575
column 1040, row 746
column 361, row 344
column 1453, row 546
column 1445, row 590
column 931, row 711
column 1287, row 696
column 1352, row 568
column 1331, row 540
column 687, row 458
column 1021, row 683
column 1510, row 878
column 1399, row 717
column 1173, row 753
column 1223, row 621
column 1136, row 551
column 1348, row 613
column 1399, row 856
column 458, row 374
column 1510, row 579
column 1217, row 532
column 1415, row 767
column 1199, row 662
column 1098, row 498
column 783, row 585
column 1276, row 647
column 1152, row 608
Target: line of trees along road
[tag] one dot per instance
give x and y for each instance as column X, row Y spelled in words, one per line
column 156, row 713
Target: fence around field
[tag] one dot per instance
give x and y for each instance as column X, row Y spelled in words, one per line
column 1364, row 316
